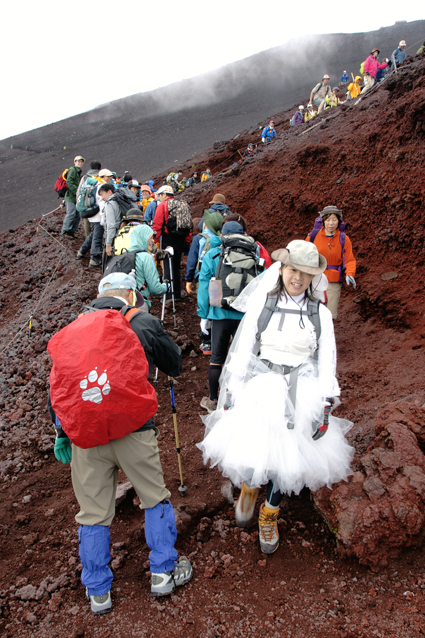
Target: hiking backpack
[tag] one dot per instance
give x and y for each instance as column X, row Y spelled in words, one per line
column 318, row 224
column 362, row 68
column 124, row 262
column 96, row 394
column 271, row 306
column 61, row 186
column 179, row 220
column 86, row 200
column 238, row 265
column 123, row 200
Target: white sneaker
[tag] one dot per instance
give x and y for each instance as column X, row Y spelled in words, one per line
column 245, row 505
column 100, row 604
column 164, row 584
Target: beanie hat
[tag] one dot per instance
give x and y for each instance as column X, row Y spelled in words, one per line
column 232, row 228
column 330, row 210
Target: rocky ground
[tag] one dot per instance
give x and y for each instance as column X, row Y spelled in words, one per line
column 351, row 562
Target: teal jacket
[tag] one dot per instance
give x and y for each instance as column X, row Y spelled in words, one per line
column 146, row 272
column 208, row 270
column 73, row 182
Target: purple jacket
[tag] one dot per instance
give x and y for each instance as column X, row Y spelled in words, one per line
column 298, row 118
column 372, row 65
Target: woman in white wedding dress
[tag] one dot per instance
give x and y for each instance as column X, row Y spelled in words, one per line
column 273, row 424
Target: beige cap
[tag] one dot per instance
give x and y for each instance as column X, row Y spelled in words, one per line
column 79, row 157
column 105, row 172
column 302, row 255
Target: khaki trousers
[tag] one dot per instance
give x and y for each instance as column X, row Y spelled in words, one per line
column 333, row 292
column 95, row 472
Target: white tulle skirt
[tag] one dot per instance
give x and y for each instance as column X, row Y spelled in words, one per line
column 252, row 442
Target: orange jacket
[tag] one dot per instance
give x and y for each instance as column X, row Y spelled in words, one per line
column 330, row 248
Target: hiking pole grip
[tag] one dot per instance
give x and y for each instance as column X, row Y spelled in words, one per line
column 182, row 488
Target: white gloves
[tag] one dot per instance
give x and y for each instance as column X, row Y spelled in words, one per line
column 350, row 280
column 263, row 139
column 204, row 326
column 170, row 250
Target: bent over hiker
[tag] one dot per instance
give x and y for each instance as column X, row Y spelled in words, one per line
column 102, row 401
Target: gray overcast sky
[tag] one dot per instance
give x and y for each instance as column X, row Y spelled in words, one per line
column 63, row 58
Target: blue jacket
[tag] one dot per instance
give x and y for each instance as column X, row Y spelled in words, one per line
column 380, row 73
column 208, row 270
column 223, row 209
column 192, row 259
column 150, row 211
column 344, row 77
column 268, row 133
column 399, row 55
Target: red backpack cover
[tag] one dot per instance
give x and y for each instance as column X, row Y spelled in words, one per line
column 99, row 380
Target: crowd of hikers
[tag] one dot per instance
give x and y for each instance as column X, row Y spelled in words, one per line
column 266, row 324
column 323, row 96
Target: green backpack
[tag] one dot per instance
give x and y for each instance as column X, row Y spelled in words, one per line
column 86, row 201
column 362, row 68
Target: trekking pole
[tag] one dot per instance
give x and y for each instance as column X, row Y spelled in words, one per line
column 182, row 488
column 172, row 291
column 162, row 323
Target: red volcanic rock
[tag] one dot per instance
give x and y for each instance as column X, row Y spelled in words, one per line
column 381, row 509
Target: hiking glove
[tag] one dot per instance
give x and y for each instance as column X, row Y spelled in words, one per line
column 323, row 428
column 204, row 326
column 170, row 250
column 263, row 139
column 62, row 449
column 350, row 280
column 168, row 291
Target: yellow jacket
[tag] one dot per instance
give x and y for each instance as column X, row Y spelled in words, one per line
column 354, row 88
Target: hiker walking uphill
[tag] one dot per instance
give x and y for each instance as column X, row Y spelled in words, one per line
column 72, row 217
column 142, row 238
column 272, row 425
column 173, row 222
column 117, row 205
column 399, row 55
column 331, row 241
column 354, row 88
column 103, row 407
column 320, row 92
column 370, row 68
column 227, row 267
column 93, row 172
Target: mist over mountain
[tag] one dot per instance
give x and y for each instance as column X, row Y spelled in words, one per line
column 147, row 133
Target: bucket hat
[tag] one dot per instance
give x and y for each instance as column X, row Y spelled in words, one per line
column 302, row 255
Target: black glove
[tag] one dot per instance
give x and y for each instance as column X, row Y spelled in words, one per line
column 322, row 428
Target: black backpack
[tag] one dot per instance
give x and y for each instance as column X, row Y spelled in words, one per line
column 125, row 262
column 124, row 201
column 238, row 265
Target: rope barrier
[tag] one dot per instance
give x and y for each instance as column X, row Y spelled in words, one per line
column 28, row 322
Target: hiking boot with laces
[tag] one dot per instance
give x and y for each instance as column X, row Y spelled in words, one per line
column 246, row 504
column 100, row 604
column 94, row 264
column 164, row 584
column 80, row 255
column 208, row 405
column 268, row 532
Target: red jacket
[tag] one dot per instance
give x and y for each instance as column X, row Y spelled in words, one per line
column 160, row 219
column 330, row 248
column 372, row 65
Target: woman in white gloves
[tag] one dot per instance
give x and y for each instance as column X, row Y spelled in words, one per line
column 272, row 425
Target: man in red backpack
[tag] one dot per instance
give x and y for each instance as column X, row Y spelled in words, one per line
column 164, row 196
column 95, row 469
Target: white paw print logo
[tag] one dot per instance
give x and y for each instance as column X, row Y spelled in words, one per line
column 95, row 393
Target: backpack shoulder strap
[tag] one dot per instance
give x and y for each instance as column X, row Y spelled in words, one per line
column 264, row 319
column 314, row 316
column 128, row 312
